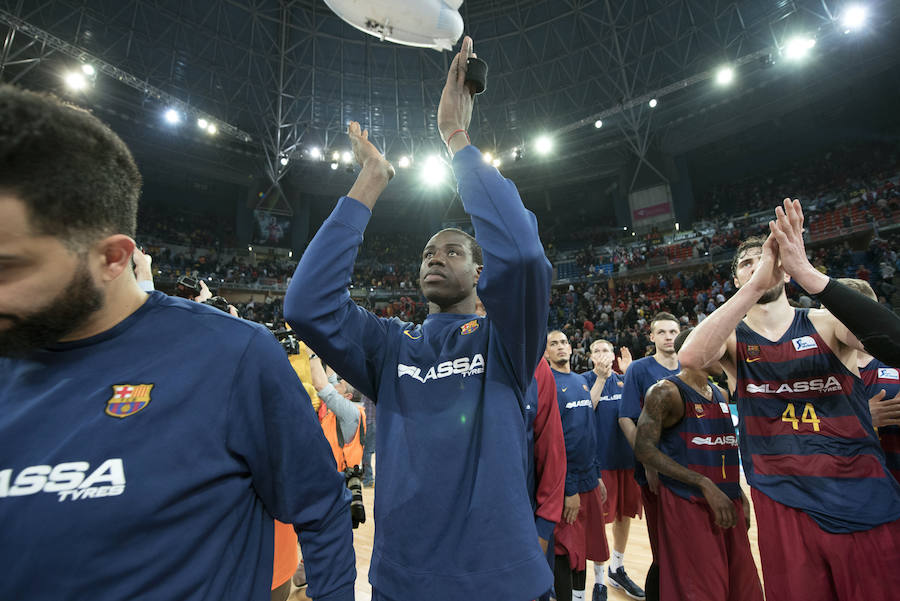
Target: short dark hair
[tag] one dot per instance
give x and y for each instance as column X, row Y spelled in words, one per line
column 682, row 336
column 751, row 242
column 77, row 178
column 474, row 248
column 662, row 316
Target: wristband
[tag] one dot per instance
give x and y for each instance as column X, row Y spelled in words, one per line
column 456, row 131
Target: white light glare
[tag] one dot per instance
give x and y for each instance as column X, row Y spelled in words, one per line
column 798, row 47
column 88, row 70
column 284, row 161
column 543, row 145
column 75, row 80
column 653, row 102
column 496, row 163
column 347, row 157
column 172, row 116
column 724, row 76
column 853, row 17
column 212, row 129
column 403, row 162
column 335, row 156
column 334, row 166
column 488, row 157
column 315, row 153
column 433, row 171
column 598, row 123
column 202, row 123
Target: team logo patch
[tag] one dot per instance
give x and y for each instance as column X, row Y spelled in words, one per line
column 888, row 373
column 804, row 343
column 752, row 352
column 469, row 327
column 128, row 399
column 585, row 387
column 620, row 384
column 698, row 408
column 410, row 336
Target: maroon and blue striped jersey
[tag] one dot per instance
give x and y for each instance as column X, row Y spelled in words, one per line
column 877, row 376
column 703, row 441
column 806, row 436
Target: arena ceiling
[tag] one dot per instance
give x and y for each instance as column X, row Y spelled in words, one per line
column 280, row 77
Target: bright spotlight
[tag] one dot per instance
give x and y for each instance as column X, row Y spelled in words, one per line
column 315, row 153
column 496, row 163
column 334, row 166
column 284, row 161
column 88, row 70
column 853, row 17
column 202, row 123
column 724, row 76
column 75, row 80
column 347, row 157
column 335, row 156
column 212, row 129
column 543, row 145
column 172, row 116
column 433, row 171
column 797, row 48
column 488, row 157
column 653, row 102
column 598, row 123
column 403, row 162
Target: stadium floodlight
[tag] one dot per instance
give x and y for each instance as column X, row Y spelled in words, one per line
column 496, row 163
column 75, row 80
column 88, row 70
column 853, row 17
column 488, row 157
column 347, row 157
column 433, row 171
column 334, row 166
column 336, row 156
column 543, row 145
column 283, row 160
column 598, row 123
column 797, row 48
column 403, row 162
column 172, row 116
column 212, row 129
column 725, row 75
column 315, row 153
column 653, row 102
column 202, row 123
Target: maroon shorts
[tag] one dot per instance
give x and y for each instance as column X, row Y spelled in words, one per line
column 586, row 538
column 700, row 561
column 651, row 502
column 623, row 495
column 802, row 561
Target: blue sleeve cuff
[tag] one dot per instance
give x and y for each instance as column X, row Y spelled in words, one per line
column 468, row 157
column 351, row 212
column 345, row 593
column 544, row 527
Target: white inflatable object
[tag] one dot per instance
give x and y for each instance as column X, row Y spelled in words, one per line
column 423, row 23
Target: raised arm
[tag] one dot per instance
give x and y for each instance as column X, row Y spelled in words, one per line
column 664, row 408
column 318, row 304
column 515, row 283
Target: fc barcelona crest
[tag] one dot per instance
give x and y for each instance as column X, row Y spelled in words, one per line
column 468, row 327
column 753, row 351
column 698, row 409
column 128, row 399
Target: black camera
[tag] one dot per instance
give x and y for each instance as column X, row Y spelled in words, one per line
column 218, row 302
column 288, row 341
column 187, row 287
column 353, row 476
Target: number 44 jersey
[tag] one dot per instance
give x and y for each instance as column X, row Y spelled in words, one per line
column 806, row 436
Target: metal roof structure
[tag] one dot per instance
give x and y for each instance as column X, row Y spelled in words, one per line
column 279, row 77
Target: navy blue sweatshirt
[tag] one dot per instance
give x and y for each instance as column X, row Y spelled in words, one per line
column 452, row 511
column 148, row 462
column 579, row 429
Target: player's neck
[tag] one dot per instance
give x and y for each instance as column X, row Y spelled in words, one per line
column 771, row 319
column 667, row 360
column 561, row 366
column 123, row 298
column 698, row 380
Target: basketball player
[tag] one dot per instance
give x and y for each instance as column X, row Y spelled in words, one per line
column 882, row 387
column 641, row 375
column 826, row 507
column 581, row 535
column 452, row 508
column 685, row 432
column 147, row 443
column 616, row 460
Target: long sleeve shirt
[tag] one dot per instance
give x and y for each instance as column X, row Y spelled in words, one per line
column 453, row 513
